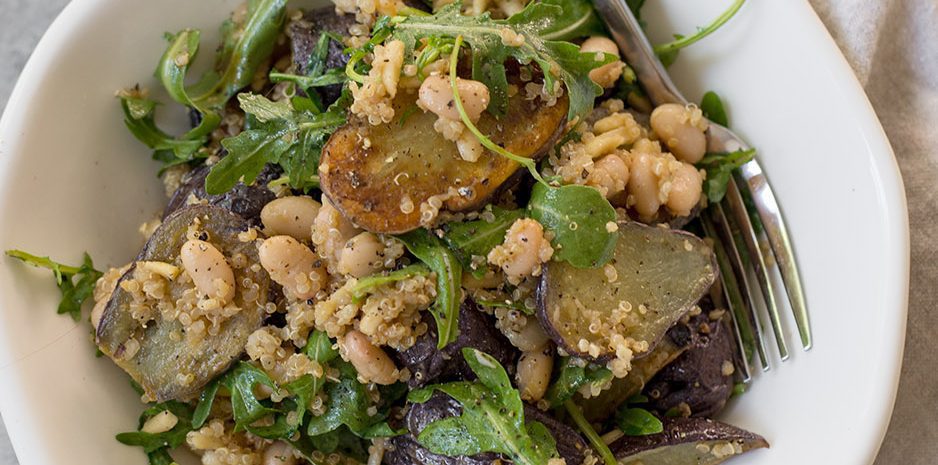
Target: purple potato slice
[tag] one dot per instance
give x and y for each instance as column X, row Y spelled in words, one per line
column 162, row 353
column 660, row 274
column 685, row 441
column 429, row 364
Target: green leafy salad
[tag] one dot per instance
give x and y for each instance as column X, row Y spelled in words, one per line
column 401, row 233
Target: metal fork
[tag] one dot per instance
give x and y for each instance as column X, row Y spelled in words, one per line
column 738, row 238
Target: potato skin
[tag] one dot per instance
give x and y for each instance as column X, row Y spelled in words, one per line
column 696, row 378
column 476, row 329
column 367, row 171
column 679, row 442
column 160, row 357
column 245, row 201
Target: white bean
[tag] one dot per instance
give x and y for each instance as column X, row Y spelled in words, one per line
column 279, row 453
column 209, row 270
column 606, row 75
column 436, row 95
column 534, row 369
column 610, row 174
column 361, row 256
column 372, row 363
column 686, row 187
column 643, row 184
column 331, row 231
column 530, row 338
column 160, row 423
column 292, row 216
column 523, row 251
column 682, row 130
column 293, row 266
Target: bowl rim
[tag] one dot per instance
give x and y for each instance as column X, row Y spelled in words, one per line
column 77, row 12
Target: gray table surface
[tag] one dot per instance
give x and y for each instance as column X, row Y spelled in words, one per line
column 893, row 47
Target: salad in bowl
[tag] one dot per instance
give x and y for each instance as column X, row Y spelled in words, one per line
column 404, row 233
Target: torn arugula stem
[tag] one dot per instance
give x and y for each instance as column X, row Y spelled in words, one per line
column 43, row 262
column 590, row 433
column 702, row 32
column 486, row 142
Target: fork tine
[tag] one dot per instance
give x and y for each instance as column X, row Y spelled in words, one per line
column 737, row 207
column 742, row 329
column 739, row 264
column 769, row 213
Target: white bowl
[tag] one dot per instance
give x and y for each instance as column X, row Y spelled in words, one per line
column 73, row 179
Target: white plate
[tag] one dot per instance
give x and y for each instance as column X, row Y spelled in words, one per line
column 73, row 179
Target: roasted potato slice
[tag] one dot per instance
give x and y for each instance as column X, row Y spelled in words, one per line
column 164, row 357
column 698, row 441
column 656, row 276
column 378, row 176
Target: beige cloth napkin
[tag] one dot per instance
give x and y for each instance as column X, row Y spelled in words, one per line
column 893, row 47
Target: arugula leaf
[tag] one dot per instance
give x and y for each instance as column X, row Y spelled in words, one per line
column 263, row 109
column 492, row 417
column 712, row 108
column 246, row 409
column 578, row 216
column 578, row 19
column 719, row 167
column 319, row 348
column 160, row 457
column 634, row 421
column 293, row 139
column 340, row 440
column 348, row 404
column 430, row 250
column 153, row 442
column 301, row 392
column 75, row 282
column 158, row 445
column 248, row 153
column 572, row 377
column 558, row 60
column 317, row 75
column 243, row 51
column 171, row 72
column 139, row 118
column 479, row 237
column 367, row 284
column 245, row 406
column 668, row 52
